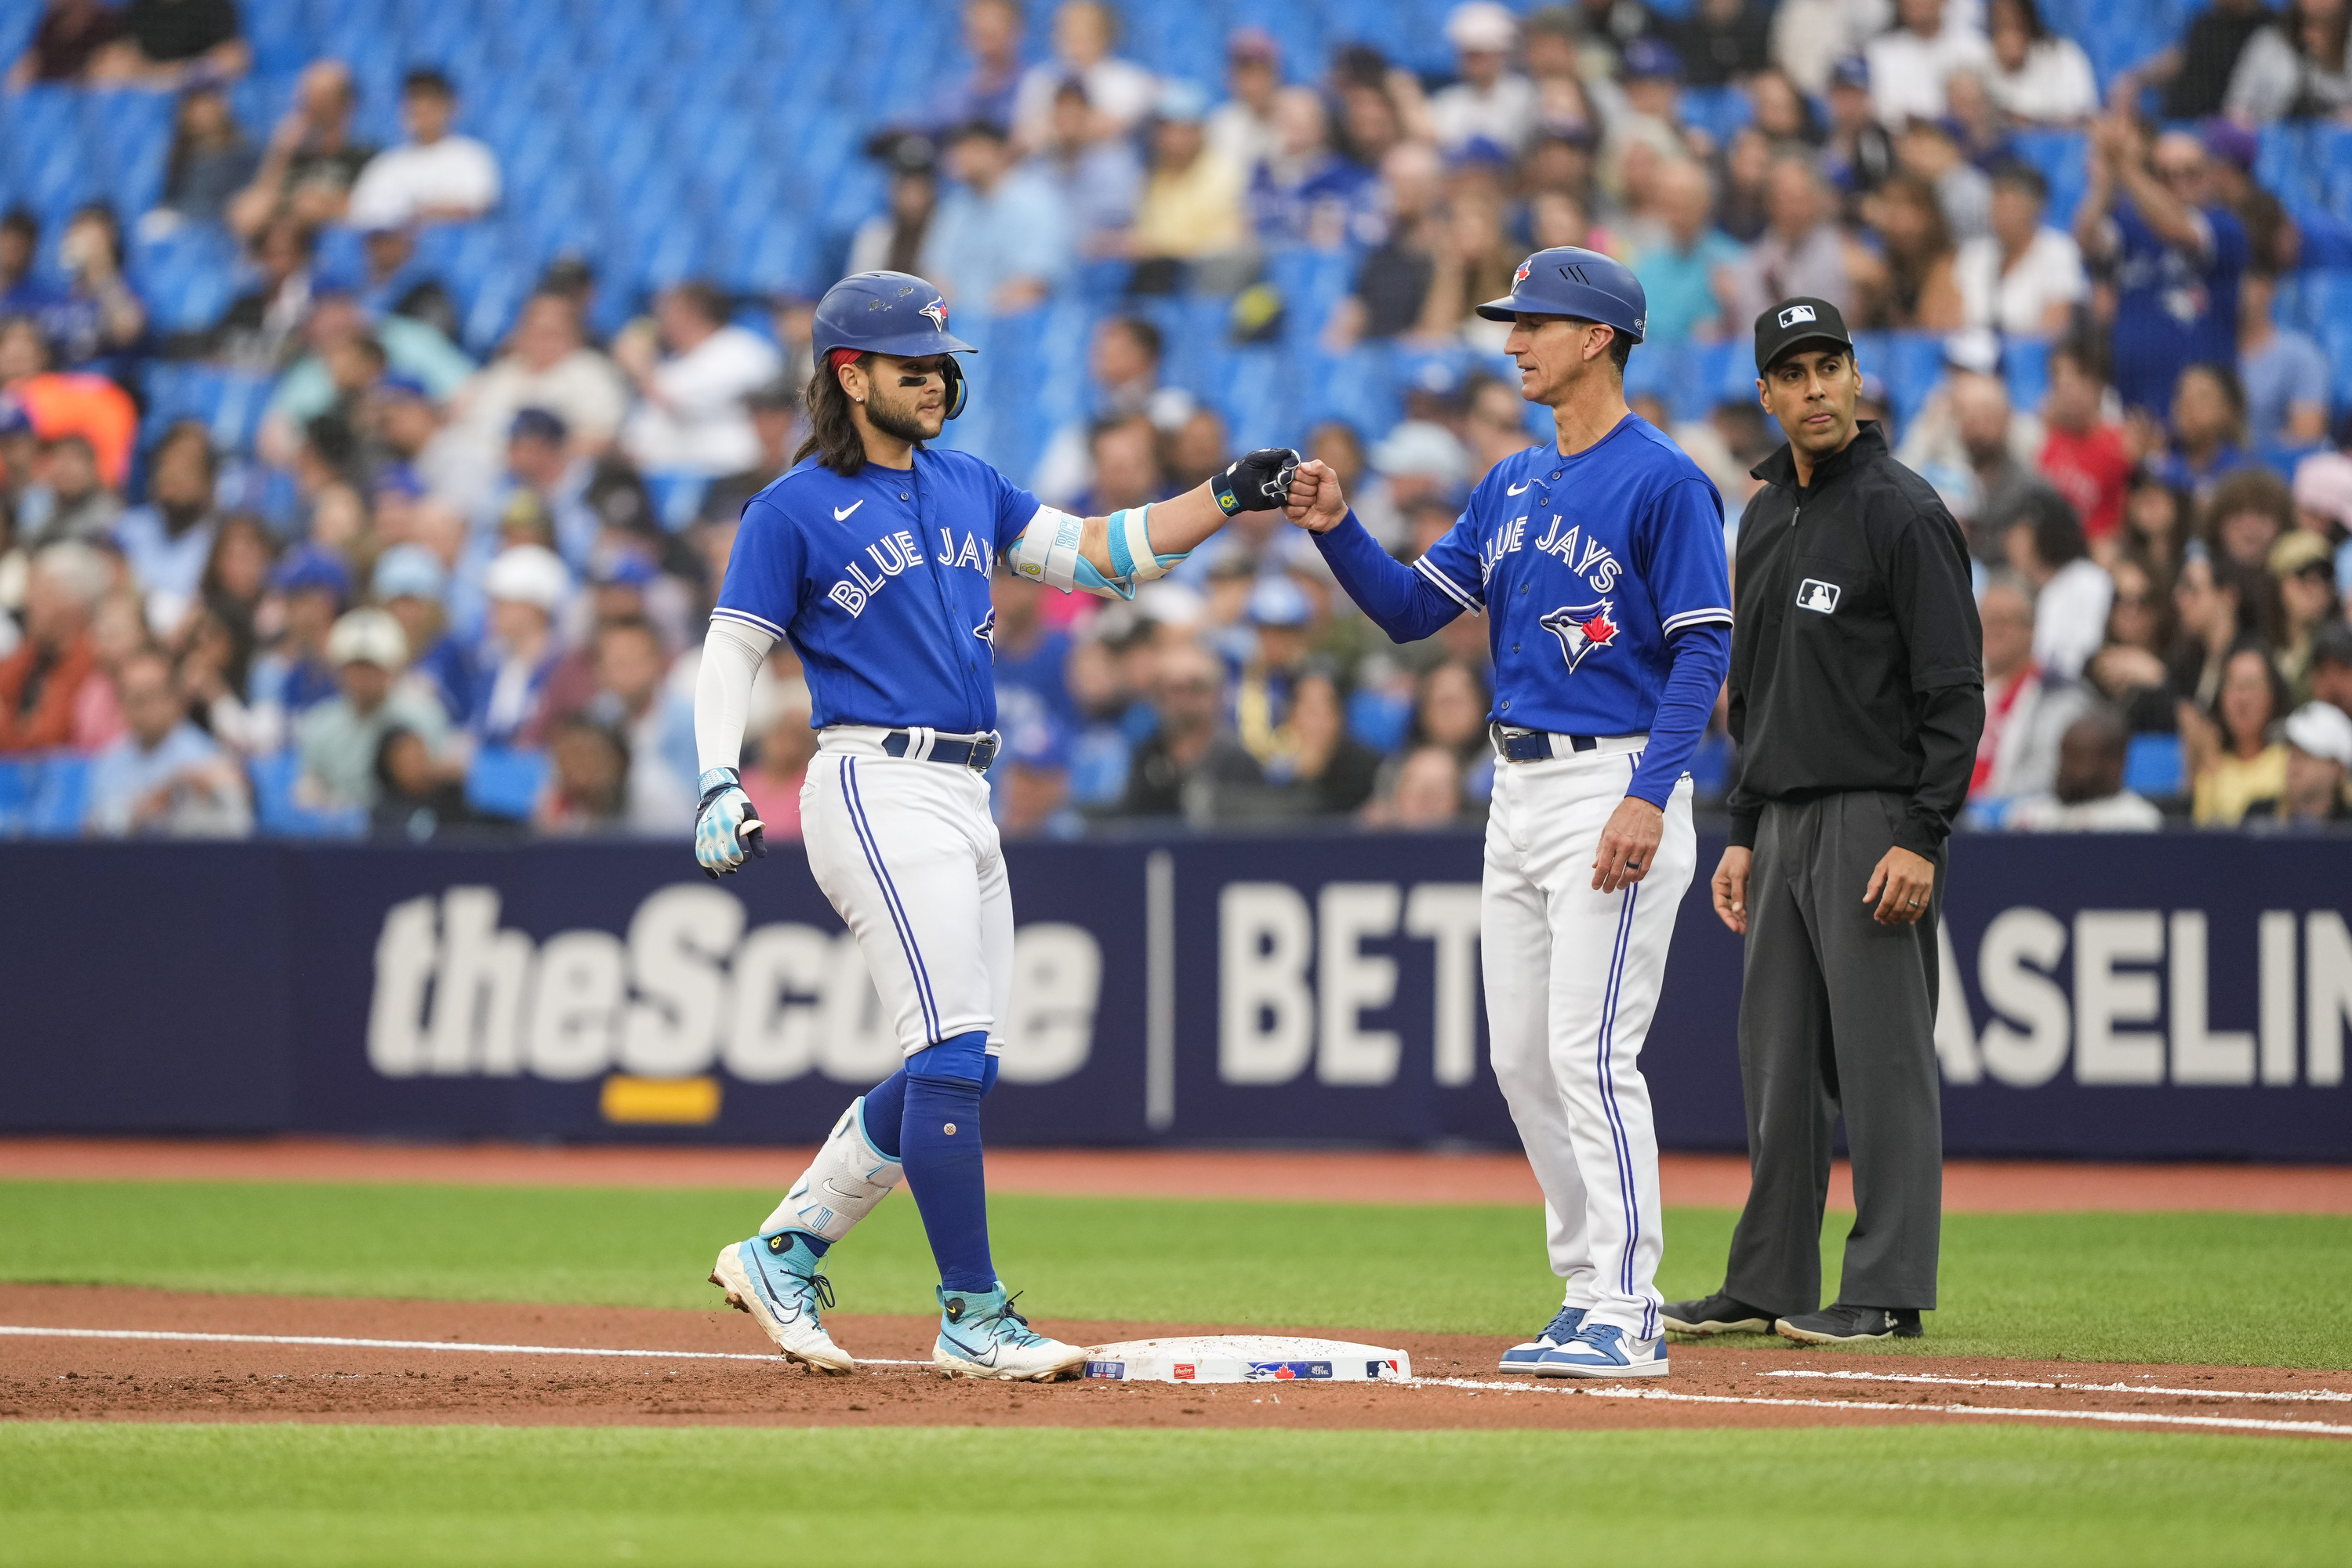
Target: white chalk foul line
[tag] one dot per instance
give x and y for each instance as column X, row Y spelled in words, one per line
column 2121, row 1417
column 2328, row 1395
column 334, row 1341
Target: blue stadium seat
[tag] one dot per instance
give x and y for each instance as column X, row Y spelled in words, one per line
column 20, row 779
column 60, row 796
column 2152, row 766
column 275, row 811
column 2025, row 365
column 1379, row 718
column 505, row 783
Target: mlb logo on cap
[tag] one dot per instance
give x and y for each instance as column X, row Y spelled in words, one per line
column 1795, row 314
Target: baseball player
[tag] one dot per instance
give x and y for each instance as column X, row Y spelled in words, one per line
column 873, row 554
column 1598, row 561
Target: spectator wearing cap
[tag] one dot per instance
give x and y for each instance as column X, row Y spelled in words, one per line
column 2209, row 428
column 1002, row 241
column 1281, row 624
column 633, row 699
column 991, row 41
column 1096, row 179
column 693, row 368
column 1302, row 192
column 163, row 776
column 1120, row 91
column 2285, row 373
column 2177, row 256
column 1193, row 758
column 167, row 543
column 41, row 682
column 2027, row 705
column 2318, row 744
column 1243, row 130
column 1682, row 273
column 2035, row 76
column 2087, row 792
column 436, row 175
column 2298, row 66
column 338, row 740
column 295, row 675
column 1488, row 101
column 60, row 403
column 540, row 464
column 1859, row 154
column 2304, row 566
column 547, row 364
column 2023, row 278
column 1191, row 217
column 1908, row 64
column 2082, row 453
column 410, row 583
column 525, row 585
column 892, row 240
column 2322, row 504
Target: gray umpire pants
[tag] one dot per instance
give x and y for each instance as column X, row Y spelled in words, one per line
column 1837, row 1014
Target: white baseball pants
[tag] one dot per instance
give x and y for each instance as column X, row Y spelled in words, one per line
column 1572, row 978
column 909, row 856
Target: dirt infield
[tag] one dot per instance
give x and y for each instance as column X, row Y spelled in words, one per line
column 495, row 1363
column 1978, row 1187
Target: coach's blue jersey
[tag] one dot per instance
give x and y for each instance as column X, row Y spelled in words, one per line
column 881, row 581
column 1585, row 566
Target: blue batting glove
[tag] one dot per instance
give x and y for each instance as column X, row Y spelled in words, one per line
column 723, row 824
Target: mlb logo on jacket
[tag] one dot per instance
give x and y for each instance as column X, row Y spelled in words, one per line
column 1812, row 594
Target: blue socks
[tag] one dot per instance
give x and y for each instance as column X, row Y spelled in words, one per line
column 940, row 1089
column 886, row 1105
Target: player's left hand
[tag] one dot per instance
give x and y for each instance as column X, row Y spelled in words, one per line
column 1629, row 845
column 1900, row 885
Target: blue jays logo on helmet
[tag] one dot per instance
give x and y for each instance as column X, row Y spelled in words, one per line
column 1521, row 275
column 938, row 312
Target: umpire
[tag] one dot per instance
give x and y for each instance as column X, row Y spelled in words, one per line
column 1857, row 698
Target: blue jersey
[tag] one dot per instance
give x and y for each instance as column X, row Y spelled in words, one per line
column 1586, row 567
column 881, row 581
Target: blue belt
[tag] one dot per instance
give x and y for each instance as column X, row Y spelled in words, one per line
column 978, row 755
column 1535, row 745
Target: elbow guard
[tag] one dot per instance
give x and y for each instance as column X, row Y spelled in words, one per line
column 1047, row 552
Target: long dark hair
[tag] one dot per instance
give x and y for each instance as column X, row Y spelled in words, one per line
column 833, row 439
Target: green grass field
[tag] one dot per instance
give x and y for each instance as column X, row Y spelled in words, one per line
column 2244, row 1289
column 2205, row 1288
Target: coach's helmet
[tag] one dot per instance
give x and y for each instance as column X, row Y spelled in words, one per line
column 893, row 313
column 1570, row 280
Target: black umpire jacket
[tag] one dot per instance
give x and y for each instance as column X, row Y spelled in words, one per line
column 1857, row 660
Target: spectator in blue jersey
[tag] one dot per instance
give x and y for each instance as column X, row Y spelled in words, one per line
column 97, row 320
column 411, row 582
column 2285, row 374
column 525, row 585
column 1031, row 786
column 2176, row 254
column 2209, row 429
column 167, row 543
column 1303, row 192
column 1001, row 242
column 1030, row 653
column 311, row 587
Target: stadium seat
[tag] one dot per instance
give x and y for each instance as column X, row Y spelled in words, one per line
column 1379, row 718
column 59, row 797
column 2152, row 766
column 275, row 813
column 504, row 782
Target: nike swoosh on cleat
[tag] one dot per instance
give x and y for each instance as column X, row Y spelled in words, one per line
column 1514, row 489
column 840, row 512
column 970, row 1354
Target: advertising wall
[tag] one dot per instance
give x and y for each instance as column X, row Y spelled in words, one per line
column 2177, row 996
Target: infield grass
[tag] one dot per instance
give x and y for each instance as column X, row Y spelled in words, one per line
column 2250, row 1289
column 335, row 1495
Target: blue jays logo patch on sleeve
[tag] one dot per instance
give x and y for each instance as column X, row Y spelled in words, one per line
column 1580, row 628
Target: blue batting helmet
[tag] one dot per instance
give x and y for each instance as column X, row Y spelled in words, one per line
column 1569, row 280
column 893, row 313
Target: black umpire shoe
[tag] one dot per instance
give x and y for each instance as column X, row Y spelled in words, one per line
column 1716, row 1314
column 1842, row 1325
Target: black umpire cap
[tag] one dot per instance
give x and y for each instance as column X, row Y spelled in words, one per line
column 1791, row 325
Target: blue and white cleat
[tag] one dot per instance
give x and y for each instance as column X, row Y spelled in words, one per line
column 1604, row 1350
column 982, row 1336
column 1556, row 1333
column 775, row 1279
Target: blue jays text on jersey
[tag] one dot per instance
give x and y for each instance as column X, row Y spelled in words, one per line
column 880, row 580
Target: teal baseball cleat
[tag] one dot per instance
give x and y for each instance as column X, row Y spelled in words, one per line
column 775, row 1280
column 1556, row 1333
column 982, row 1336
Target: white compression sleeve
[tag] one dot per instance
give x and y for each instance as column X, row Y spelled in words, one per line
column 723, row 690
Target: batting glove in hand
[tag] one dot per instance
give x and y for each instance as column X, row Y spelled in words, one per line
column 1259, row 482
column 723, row 824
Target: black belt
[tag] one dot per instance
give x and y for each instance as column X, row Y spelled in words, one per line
column 978, row 755
column 1535, row 745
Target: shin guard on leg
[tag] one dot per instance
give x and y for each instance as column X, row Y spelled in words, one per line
column 841, row 1185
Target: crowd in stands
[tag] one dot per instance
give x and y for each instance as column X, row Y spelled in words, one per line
column 430, row 592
